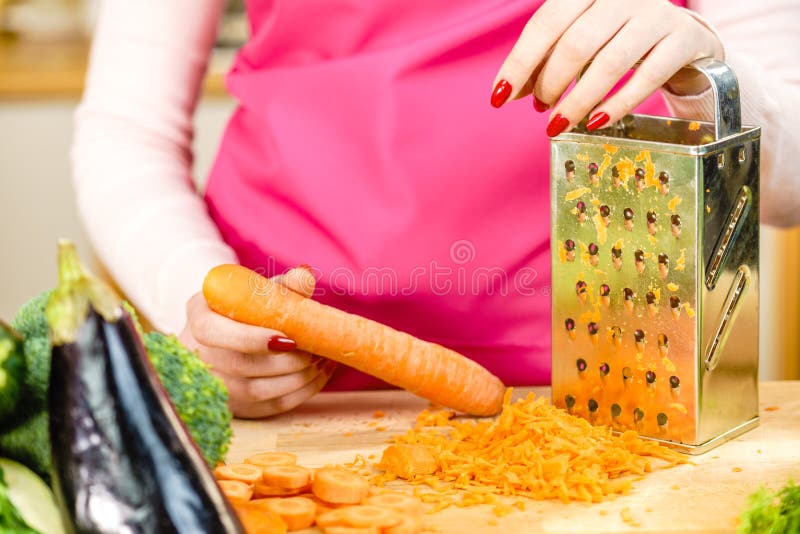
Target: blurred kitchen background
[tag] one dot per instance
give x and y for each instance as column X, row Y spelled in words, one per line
column 43, row 50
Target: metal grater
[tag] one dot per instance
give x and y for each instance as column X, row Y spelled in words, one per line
column 655, row 240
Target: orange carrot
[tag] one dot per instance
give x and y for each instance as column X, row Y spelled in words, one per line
column 256, row 520
column 262, row 490
column 297, row 512
column 235, row 490
column 407, row 461
column 409, row 524
column 365, row 515
column 249, row 474
column 399, row 502
column 322, row 506
column 266, row 459
column 339, row 486
column 426, row 369
column 287, row 476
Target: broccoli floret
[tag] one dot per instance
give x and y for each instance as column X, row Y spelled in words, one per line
column 12, row 371
column 29, row 443
column 199, row 397
column 31, row 324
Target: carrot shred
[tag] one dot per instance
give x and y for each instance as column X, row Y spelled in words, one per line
column 532, row 449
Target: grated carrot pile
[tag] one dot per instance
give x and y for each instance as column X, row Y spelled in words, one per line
column 532, row 449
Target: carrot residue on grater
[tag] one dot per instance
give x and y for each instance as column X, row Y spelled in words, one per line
column 680, row 263
column 577, row 193
column 672, row 205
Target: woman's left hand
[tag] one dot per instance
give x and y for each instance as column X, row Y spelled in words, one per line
column 563, row 35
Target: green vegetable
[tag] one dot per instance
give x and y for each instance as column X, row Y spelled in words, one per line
column 772, row 512
column 10, row 518
column 32, row 499
column 12, row 370
column 200, row 399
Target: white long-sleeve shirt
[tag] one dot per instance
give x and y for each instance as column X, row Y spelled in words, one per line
column 132, row 149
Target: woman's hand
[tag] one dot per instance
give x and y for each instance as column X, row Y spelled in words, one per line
column 563, row 35
column 262, row 369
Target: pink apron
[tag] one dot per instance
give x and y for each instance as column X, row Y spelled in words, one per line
column 364, row 145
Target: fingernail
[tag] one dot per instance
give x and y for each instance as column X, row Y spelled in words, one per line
column 557, row 125
column 540, row 106
column 501, row 93
column 597, row 121
column 281, row 344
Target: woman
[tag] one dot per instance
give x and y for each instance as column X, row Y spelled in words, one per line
column 364, row 146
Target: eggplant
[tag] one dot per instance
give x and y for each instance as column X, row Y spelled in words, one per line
column 122, row 459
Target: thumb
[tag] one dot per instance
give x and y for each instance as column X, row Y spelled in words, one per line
column 298, row 279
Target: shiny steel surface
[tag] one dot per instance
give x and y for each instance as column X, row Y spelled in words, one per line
column 655, row 316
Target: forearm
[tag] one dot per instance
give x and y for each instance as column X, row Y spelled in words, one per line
column 761, row 43
column 132, row 153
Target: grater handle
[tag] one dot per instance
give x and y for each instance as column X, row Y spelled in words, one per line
column 727, row 111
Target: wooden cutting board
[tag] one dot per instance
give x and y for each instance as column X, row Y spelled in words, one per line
column 706, row 496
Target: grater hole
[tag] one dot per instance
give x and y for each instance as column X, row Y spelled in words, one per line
column 569, row 401
column 593, row 406
column 627, row 297
column 639, row 179
column 742, row 155
column 593, row 330
column 638, row 415
column 674, row 382
column 616, row 257
column 569, row 170
column 593, row 177
column 616, row 335
column 638, row 335
column 569, row 250
column 650, row 376
column 580, row 290
column 652, row 217
column 663, row 265
column 638, row 258
column 581, row 364
column 627, row 374
column 663, row 182
column 627, row 215
column 663, row 344
column 652, row 304
column 616, row 410
column 662, row 419
column 569, row 326
column 720, row 161
column 604, row 369
column 594, row 252
column 580, row 211
column 675, row 221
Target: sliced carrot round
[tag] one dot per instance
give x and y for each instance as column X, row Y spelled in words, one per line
column 409, row 524
column 236, row 491
column 365, row 515
column 243, row 472
column 286, row 476
column 400, row 502
column 331, row 518
column 339, row 486
column 351, row 530
column 408, row 461
column 262, row 490
column 297, row 512
column 256, row 520
column 266, row 459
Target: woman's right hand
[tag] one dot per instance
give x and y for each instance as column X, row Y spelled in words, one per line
column 264, row 372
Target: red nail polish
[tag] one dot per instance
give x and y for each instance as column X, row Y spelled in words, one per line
column 557, row 125
column 281, row 344
column 540, row 106
column 501, row 93
column 597, row 121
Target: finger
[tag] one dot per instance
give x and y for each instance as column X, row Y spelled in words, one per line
column 666, row 58
column 285, row 403
column 246, row 365
column 299, row 279
column 261, row 389
column 536, row 39
column 579, row 43
column 214, row 330
column 619, row 56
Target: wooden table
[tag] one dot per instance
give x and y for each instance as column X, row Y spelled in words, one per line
column 704, row 497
